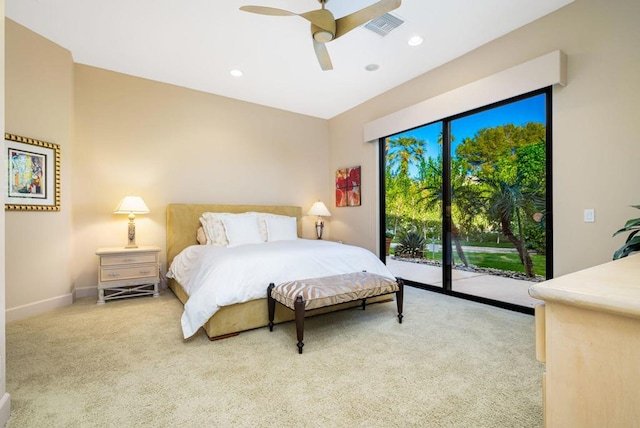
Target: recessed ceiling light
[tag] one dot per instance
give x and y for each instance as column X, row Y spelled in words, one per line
column 236, row 73
column 372, row 67
column 415, row 41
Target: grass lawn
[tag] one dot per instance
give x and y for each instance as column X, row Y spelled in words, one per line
column 502, row 261
column 492, row 244
column 509, row 261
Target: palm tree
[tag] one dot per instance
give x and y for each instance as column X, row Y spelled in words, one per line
column 505, row 201
column 462, row 192
column 402, row 151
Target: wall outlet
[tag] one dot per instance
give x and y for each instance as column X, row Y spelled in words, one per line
column 589, row 215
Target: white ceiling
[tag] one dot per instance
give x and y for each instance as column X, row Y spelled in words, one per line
column 195, row 44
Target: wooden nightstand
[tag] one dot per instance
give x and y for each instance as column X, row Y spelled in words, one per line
column 128, row 272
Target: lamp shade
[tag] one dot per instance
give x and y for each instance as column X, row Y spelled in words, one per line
column 319, row 209
column 132, row 205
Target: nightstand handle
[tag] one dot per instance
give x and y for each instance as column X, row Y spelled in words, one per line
column 129, row 260
column 145, row 272
column 114, row 274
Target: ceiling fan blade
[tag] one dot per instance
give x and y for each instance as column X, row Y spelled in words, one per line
column 356, row 19
column 322, row 18
column 323, row 56
column 267, row 11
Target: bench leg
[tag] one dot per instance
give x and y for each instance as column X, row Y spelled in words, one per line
column 400, row 298
column 271, row 305
column 299, row 309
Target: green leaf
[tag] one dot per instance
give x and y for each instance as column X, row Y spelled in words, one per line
column 631, row 235
column 632, row 222
column 628, row 248
column 629, row 225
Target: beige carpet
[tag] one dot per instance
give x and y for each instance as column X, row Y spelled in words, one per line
column 452, row 363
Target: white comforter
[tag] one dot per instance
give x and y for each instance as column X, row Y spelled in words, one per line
column 219, row 276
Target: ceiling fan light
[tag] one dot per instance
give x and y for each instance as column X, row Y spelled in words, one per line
column 322, row 36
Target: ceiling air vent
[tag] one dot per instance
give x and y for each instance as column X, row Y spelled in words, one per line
column 384, row 24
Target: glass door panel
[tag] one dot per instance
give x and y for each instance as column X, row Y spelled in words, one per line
column 413, row 204
column 498, row 200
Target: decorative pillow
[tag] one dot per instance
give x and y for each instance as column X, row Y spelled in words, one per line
column 213, row 228
column 262, row 226
column 241, row 229
column 200, row 236
column 281, row 228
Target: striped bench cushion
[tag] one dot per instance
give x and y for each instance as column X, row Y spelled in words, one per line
column 331, row 290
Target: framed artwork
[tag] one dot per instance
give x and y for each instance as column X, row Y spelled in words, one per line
column 348, row 187
column 33, row 174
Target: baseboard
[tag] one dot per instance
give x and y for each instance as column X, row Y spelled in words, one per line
column 78, row 293
column 5, row 408
column 37, row 308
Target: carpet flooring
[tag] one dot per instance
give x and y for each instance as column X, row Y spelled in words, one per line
column 451, row 363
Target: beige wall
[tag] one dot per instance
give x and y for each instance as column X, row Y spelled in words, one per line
column 135, row 136
column 595, row 149
column 38, row 104
column 5, row 401
column 170, row 144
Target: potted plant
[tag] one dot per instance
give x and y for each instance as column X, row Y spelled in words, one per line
column 633, row 242
column 388, row 238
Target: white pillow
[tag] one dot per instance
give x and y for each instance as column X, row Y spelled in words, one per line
column 241, row 229
column 262, row 223
column 213, row 228
column 281, row 228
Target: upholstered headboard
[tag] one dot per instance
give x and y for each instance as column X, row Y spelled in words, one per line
column 183, row 220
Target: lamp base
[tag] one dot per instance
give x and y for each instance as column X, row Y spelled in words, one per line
column 319, row 227
column 131, row 232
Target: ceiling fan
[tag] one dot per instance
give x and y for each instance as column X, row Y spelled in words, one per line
column 325, row 28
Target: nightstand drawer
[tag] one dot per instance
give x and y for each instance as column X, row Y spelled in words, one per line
column 129, row 259
column 129, row 272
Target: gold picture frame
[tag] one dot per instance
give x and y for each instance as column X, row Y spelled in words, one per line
column 32, row 174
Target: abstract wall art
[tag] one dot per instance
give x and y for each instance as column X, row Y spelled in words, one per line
column 348, row 187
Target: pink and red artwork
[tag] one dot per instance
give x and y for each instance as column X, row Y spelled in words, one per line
column 348, row 187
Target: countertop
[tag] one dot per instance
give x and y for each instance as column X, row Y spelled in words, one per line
column 612, row 287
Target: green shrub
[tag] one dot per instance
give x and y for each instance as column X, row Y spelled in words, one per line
column 411, row 245
column 535, row 238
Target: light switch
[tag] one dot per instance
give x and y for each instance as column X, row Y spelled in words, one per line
column 589, row 215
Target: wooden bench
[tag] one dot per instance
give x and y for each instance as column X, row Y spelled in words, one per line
column 307, row 294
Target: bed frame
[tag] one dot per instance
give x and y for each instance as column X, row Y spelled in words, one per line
column 183, row 220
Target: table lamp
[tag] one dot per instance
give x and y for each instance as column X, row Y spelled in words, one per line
column 132, row 205
column 320, row 210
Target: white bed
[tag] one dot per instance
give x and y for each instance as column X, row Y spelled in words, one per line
column 223, row 287
column 215, row 276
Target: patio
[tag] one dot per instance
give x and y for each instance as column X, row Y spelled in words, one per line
column 473, row 283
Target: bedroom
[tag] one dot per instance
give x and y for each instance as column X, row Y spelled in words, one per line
column 51, row 98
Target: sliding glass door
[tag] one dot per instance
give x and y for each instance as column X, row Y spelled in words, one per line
column 467, row 201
